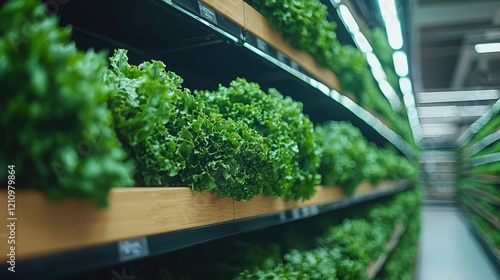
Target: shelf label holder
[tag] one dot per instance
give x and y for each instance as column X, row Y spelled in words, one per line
column 132, row 249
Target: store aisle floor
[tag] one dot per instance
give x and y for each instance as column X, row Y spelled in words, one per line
column 448, row 250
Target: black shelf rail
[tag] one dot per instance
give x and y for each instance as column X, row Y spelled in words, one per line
column 207, row 49
column 72, row 262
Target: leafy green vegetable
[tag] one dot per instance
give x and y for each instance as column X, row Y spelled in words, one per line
column 490, row 232
column 176, row 140
column 345, row 251
column 348, row 158
column 491, row 149
column 344, row 154
column 293, row 152
column 54, row 115
column 397, row 167
column 304, row 24
column 380, row 44
column 490, row 188
column 335, row 250
column 401, row 262
column 492, row 168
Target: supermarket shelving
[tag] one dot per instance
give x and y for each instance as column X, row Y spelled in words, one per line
column 465, row 138
column 143, row 222
column 468, row 151
column 207, row 42
column 479, row 194
column 486, row 178
column 376, row 266
column 494, row 221
column 493, row 252
column 211, row 42
column 483, row 143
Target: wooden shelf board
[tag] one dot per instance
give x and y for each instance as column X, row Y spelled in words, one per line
column 261, row 205
column 45, row 227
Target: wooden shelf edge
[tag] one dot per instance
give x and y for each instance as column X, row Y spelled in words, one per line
column 374, row 267
column 494, row 221
column 256, row 24
column 44, row 227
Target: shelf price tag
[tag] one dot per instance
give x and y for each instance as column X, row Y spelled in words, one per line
column 133, row 248
column 296, row 213
column 282, row 216
column 262, row 45
column 207, row 13
column 281, row 57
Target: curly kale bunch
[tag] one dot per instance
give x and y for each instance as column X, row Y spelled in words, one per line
column 176, row 140
column 303, row 23
column 57, row 126
column 293, row 154
column 344, row 155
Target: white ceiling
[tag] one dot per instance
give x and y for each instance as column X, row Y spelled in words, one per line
column 453, row 84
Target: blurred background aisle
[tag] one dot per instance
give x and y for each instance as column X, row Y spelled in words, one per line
column 448, row 250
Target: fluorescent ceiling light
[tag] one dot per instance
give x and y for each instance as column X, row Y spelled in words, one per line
column 458, row 96
column 377, row 70
column 392, row 23
column 362, row 43
column 394, row 34
column 400, row 63
column 409, row 101
column 405, row 85
column 487, row 47
column 348, row 18
column 390, row 94
column 452, row 111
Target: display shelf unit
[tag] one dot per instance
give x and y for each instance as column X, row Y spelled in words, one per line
column 207, row 42
column 484, row 178
column 211, row 42
column 492, row 219
column 493, row 252
column 483, row 143
column 469, row 133
column 142, row 222
column 468, row 148
column 375, row 267
column 479, row 194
